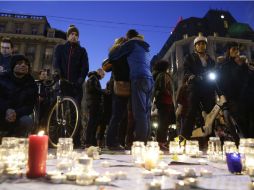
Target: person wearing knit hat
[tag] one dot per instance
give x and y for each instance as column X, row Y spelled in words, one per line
column 17, row 98
column 71, row 63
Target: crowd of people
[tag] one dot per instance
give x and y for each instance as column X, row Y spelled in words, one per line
column 116, row 116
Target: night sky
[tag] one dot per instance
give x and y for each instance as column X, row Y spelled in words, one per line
column 100, row 23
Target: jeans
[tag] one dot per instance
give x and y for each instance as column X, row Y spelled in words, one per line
column 119, row 108
column 141, row 91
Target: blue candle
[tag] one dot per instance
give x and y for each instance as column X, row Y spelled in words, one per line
column 234, row 162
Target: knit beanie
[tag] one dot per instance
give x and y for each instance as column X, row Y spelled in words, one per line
column 132, row 34
column 16, row 58
column 72, row 28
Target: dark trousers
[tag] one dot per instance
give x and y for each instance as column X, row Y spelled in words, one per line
column 93, row 122
column 119, row 109
column 199, row 98
column 164, row 117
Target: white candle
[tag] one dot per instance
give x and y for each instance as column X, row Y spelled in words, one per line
column 49, row 174
column 180, row 185
column 250, row 171
column 105, row 164
column 111, row 175
column 251, row 186
column 103, row 180
column 154, row 185
column 121, row 175
column 58, row 178
column 157, row 171
column 173, row 174
column 162, row 165
column 71, row 175
column 205, row 173
column 147, row 174
column 84, row 179
column 191, row 181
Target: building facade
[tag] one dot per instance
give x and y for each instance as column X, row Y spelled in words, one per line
column 33, row 37
column 218, row 26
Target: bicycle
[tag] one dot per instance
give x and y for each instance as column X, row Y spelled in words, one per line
column 63, row 117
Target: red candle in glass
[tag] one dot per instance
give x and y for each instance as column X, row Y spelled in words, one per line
column 37, row 155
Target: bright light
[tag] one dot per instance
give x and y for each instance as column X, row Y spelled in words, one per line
column 41, row 133
column 222, row 16
column 155, row 125
column 212, row 76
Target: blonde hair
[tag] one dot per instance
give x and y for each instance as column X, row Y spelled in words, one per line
column 117, row 43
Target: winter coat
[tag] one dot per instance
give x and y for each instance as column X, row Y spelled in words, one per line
column 163, row 89
column 17, row 94
column 71, row 61
column 232, row 78
column 137, row 52
column 93, row 90
column 5, row 62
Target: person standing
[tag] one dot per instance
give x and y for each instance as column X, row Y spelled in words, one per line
column 138, row 58
column 5, row 55
column 201, row 91
column 71, row 63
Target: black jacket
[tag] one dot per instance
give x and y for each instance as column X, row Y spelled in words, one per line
column 232, row 78
column 5, row 62
column 17, row 94
column 193, row 65
column 71, row 61
column 120, row 69
column 93, row 90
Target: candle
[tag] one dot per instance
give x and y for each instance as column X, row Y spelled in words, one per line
column 52, row 173
column 37, row 155
column 205, row 173
column 71, row 175
column 121, row 175
column 234, row 162
column 180, row 185
column 147, row 174
column 154, row 185
column 103, row 180
column 191, row 182
column 251, row 186
column 157, row 171
column 250, row 171
column 84, row 179
column 105, row 164
column 58, row 178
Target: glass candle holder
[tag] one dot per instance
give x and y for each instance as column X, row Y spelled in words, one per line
column 234, row 162
column 192, row 148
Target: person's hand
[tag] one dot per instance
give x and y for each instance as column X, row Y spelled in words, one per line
column 10, row 115
column 1, row 69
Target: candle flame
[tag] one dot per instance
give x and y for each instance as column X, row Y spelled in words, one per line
column 41, row 133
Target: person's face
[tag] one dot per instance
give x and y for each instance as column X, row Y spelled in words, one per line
column 200, row 47
column 6, row 49
column 43, row 75
column 73, row 37
column 101, row 73
column 21, row 68
column 233, row 52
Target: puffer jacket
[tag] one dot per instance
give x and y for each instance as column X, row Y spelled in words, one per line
column 17, row 94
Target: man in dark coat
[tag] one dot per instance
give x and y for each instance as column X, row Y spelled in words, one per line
column 71, row 63
column 5, row 54
column 201, row 91
column 18, row 92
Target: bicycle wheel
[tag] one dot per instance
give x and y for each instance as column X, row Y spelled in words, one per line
column 67, row 122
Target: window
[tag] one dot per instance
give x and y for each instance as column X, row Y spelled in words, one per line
column 48, row 57
column 51, row 33
column 225, row 24
column 30, row 52
column 34, row 30
column 2, row 28
column 18, row 28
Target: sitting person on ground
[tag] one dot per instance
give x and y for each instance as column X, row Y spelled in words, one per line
column 18, row 93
